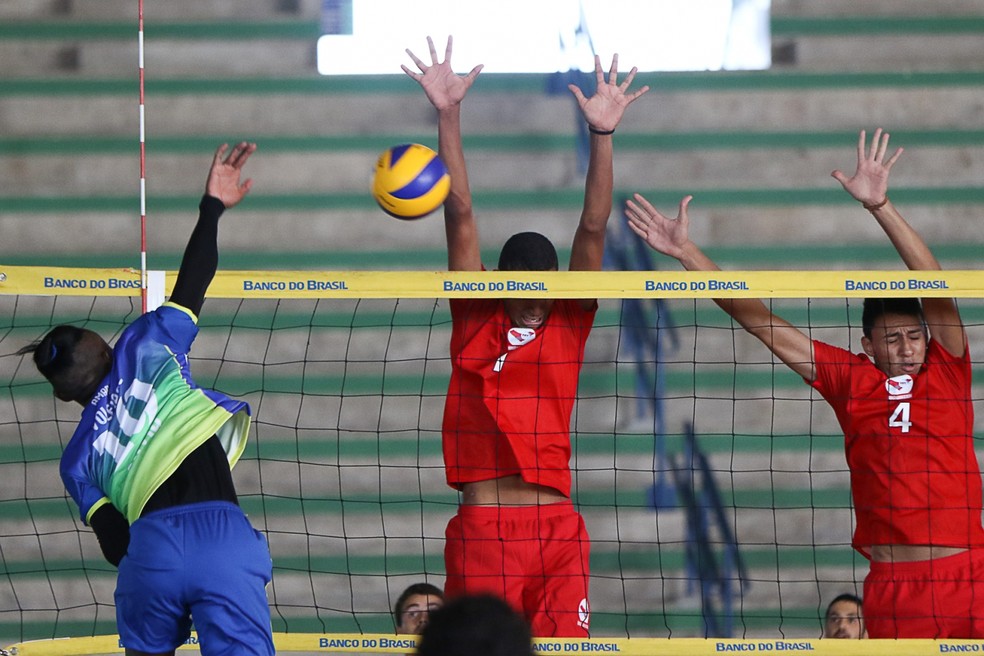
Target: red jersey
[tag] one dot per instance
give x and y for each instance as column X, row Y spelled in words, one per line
column 915, row 479
column 512, row 391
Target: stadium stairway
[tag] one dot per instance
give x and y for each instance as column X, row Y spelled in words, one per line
column 755, row 149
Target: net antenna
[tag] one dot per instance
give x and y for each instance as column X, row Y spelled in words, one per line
column 143, row 161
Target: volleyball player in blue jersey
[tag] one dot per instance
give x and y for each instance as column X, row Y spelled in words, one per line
column 150, row 462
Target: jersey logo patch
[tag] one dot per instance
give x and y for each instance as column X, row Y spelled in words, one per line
column 516, row 337
column 583, row 614
column 899, row 385
column 520, row 336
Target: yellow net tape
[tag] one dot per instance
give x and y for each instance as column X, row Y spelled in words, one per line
column 348, row 643
column 494, row 284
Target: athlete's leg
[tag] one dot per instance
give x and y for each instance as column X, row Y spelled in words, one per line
column 938, row 598
column 479, row 556
column 557, row 590
column 958, row 582
column 895, row 606
column 226, row 585
column 977, row 593
column 151, row 616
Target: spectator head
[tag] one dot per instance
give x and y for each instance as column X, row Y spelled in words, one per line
column 412, row 609
column 844, row 618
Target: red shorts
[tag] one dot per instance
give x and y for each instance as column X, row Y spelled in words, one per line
column 939, row 598
column 534, row 557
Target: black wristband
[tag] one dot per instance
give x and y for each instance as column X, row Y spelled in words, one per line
column 593, row 130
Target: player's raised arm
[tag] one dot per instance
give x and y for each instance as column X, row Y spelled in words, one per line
column 223, row 190
column 671, row 237
column 869, row 186
column 602, row 111
column 445, row 90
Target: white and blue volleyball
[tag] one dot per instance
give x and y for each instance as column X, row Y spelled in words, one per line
column 410, row 181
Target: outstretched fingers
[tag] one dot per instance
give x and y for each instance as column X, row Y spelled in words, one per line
column 682, row 212
column 223, row 180
column 599, row 71
column 623, row 87
column 883, row 150
column 219, row 154
column 638, row 228
column 641, row 215
column 644, row 206
column 631, row 97
column 869, row 182
column 236, row 158
column 879, row 149
column 613, row 70
column 894, row 158
column 879, row 143
column 240, row 153
column 433, row 50
column 862, row 141
column 604, row 109
column 639, row 221
column 447, row 49
column 473, row 73
column 418, row 62
column 627, row 82
column 640, row 205
column 882, row 144
column 578, row 94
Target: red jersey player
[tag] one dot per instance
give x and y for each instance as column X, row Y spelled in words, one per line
column 906, row 412
column 515, row 366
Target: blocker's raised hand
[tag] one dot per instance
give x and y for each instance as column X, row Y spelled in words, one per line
column 605, row 108
column 444, row 87
column 663, row 234
column 869, row 184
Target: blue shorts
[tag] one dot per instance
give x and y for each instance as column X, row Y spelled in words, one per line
column 202, row 561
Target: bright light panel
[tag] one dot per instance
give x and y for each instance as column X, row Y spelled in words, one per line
column 545, row 36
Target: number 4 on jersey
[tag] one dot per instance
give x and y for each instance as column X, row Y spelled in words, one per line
column 900, row 417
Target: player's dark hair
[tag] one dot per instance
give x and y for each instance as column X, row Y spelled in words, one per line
column 877, row 307
column 415, row 589
column 847, row 596
column 528, row 251
column 476, row 625
column 56, row 358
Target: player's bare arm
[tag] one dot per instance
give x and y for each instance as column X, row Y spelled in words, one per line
column 671, row 238
column 445, row 90
column 602, row 112
column 869, row 186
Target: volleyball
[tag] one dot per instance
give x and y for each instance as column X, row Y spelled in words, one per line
column 410, row 181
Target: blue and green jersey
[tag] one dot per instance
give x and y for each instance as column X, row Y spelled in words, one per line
column 147, row 417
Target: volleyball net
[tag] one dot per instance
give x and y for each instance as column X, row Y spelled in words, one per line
column 712, row 479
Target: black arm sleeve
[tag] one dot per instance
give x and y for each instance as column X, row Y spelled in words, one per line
column 201, row 257
column 113, row 532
